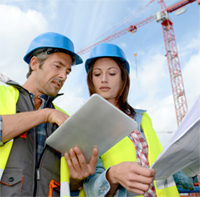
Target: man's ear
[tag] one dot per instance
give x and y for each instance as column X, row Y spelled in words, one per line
column 34, row 63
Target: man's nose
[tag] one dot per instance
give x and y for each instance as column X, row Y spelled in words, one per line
column 63, row 75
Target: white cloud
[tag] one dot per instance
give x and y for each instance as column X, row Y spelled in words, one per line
column 70, row 102
column 151, row 78
column 163, row 114
column 191, row 78
column 18, row 28
column 188, row 47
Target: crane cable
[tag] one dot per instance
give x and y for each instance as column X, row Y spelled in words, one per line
column 126, row 20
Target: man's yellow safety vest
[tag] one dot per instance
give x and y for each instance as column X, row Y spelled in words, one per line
column 8, row 99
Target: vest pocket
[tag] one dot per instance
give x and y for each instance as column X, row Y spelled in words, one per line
column 11, row 183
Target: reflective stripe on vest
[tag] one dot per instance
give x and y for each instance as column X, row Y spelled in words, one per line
column 124, row 151
column 8, row 99
column 64, row 179
column 64, row 172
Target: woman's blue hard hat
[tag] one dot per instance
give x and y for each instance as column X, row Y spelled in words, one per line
column 107, row 50
column 55, row 41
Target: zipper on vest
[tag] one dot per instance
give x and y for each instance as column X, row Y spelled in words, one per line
column 38, row 174
column 41, row 160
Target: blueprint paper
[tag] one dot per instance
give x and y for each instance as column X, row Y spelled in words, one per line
column 96, row 123
column 183, row 150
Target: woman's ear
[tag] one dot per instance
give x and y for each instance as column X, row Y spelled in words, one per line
column 34, row 63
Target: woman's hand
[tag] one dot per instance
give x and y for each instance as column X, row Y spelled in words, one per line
column 79, row 168
column 131, row 176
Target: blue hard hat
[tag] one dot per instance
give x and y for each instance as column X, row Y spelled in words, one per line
column 107, row 50
column 55, row 41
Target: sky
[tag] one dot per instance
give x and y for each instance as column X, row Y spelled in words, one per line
column 87, row 21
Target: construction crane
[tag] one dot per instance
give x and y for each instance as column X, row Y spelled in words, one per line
column 178, row 91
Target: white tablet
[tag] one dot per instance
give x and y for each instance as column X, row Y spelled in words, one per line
column 96, row 123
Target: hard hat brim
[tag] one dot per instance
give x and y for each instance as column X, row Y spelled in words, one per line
column 89, row 60
column 78, row 59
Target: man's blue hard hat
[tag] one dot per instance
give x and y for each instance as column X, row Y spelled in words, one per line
column 55, row 41
column 107, row 50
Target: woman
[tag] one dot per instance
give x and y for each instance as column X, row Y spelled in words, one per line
column 125, row 166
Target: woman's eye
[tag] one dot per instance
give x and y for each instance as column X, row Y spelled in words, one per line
column 96, row 74
column 112, row 74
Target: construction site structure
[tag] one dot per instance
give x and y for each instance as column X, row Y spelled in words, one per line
column 178, row 90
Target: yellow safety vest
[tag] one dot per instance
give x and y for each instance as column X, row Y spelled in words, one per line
column 8, row 99
column 121, row 152
column 124, row 151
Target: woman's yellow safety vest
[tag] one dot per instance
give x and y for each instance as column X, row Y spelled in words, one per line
column 124, row 151
column 8, row 99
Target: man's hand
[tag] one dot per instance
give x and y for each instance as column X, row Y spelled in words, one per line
column 56, row 116
column 16, row 124
column 79, row 169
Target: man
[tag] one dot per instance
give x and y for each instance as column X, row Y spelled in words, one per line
column 27, row 117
